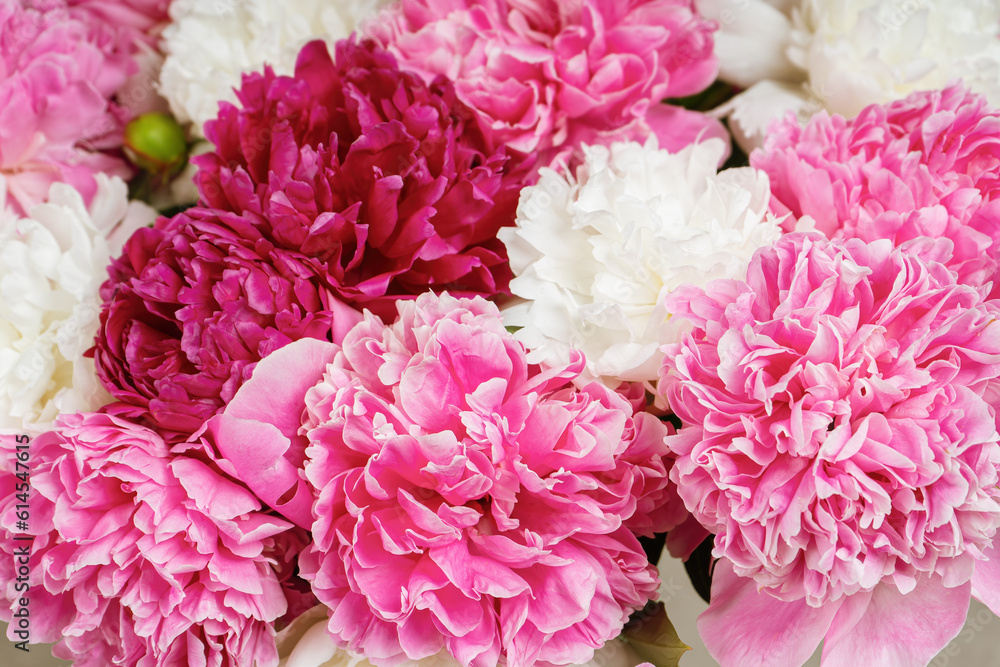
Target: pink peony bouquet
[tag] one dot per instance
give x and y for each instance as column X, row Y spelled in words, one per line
column 443, row 345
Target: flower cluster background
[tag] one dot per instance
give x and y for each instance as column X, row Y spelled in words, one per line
column 528, row 333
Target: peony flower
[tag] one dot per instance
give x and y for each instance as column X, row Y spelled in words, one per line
column 51, row 267
column 460, row 510
column 844, row 55
column 922, row 166
column 136, row 22
column 59, row 71
column 596, row 255
column 140, row 555
column 841, row 441
column 544, row 76
column 376, row 175
column 460, row 499
column 132, row 28
column 209, row 45
column 354, row 199
column 192, row 305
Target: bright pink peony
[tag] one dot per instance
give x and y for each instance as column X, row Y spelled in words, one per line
column 378, row 177
column 194, row 303
column 841, row 441
column 465, row 500
column 544, row 76
column 141, row 557
column 58, row 73
column 927, row 165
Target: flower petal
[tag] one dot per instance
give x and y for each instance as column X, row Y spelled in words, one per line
column 986, row 579
column 742, row 626
column 896, row 629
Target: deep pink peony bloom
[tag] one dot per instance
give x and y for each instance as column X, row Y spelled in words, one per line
column 194, row 303
column 141, row 557
column 927, row 165
column 544, row 76
column 58, row 73
column 841, row 441
column 465, row 500
column 372, row 173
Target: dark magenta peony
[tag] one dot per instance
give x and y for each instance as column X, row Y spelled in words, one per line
column 381, row 178
column 191, row 306
column 349, row 184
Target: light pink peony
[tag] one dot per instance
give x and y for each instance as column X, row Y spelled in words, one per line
column 141, row 557
column 135, row 21
column 927, row 165
column 59, row 70
column 544, row 76
column 464, row 500
column 841, row 441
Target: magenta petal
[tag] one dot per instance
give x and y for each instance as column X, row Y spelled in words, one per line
column 744, row 627
column 898, row 629
column 344, row 318
column 986, row 579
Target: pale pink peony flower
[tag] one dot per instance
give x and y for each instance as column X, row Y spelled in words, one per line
column 140, row 556
column 841, row 441
column 464, row 500
column 926, row 165
column 544, row 76
column 136, row 25
column 135, row 21
column 61, row 67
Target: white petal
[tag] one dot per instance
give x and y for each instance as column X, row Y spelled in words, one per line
column 52, row 265
column 209, row 45
column 861, row 52
column 752, row 111
column 751, row 41
column 595, row 257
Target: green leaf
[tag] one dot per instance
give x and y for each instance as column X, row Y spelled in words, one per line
column 513, row 329
column 652, row 636
column 707, row 99
column 699, row 568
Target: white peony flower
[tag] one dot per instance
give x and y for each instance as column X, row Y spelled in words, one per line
column 211, row 43
column 52, row 265
column 843, row 55
column 306, row 643
column 595, row 256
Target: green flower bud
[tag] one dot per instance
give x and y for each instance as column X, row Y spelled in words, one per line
column 156, row 142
